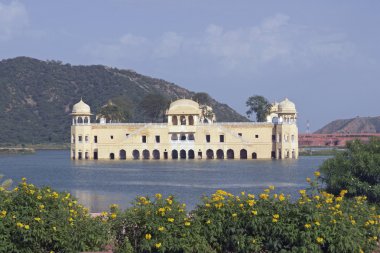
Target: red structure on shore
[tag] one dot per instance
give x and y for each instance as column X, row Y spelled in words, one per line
column 332, row 140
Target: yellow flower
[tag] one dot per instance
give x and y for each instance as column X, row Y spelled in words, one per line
column 19, row 224
column 39, row 197
column 353, row 222
column 251, row 196
column 38, row 219
column 158, row 195
column 254, row 212
column 113, row 206
column 274, row 220
column 55, row 195
column 264, row 196
column 15, row 189
column 343, row 192
column 317, row 197
column 281, row 197
column 158, row 245
column 276, row 216
column 308, row 179
column 148, row 236
column 234, row 214
column 42, row 206
column 3, row 214
column 161, row 228
column 266, row 190
column 251, row 202
column 169, row 201
column 23, row 179
column 243, row 193
column 26, row 227
column 271, row 187
column 317, row 173
column 320, row 240
column 317, row 223
column 54, row 228
column 207, row 205
column 208, row 221
column 241, row 205
column 113, row 216
column 307, row 225
column 170, row 219
column 302, row 192
column 187, row 223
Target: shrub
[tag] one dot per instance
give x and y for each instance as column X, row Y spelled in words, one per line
column 318, row 222
column 157, row 225
column 357, row 169
column 36, row 219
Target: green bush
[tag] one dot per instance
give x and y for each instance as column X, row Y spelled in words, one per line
column 357, row 169
column 157, row 225
column 36, row 219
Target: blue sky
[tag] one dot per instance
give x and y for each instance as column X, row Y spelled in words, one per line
column 323, row 55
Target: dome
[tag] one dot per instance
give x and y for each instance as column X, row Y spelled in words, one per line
column 287, row 106
column 81, row 108
column 184, row 106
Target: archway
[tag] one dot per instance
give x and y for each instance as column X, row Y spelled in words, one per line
column 191, row 120
column 219, row 154
column 230, row 154
column 174, row 154
column 243, row 154
column 174, row 137
column 122, row 154
column 174, row 120
column 182, row 154
column 190, row 137
column 86, row 120
column 96, row 154
column 210, row 154
column 191, row 154
column 156, row 154
column 146, row 154
column 80, row 120
column 112, row 156
column 254, row 155
column 273, row 154
column 136, row 154
column 183, row 120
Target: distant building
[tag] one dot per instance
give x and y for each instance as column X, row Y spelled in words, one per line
column 190, row 133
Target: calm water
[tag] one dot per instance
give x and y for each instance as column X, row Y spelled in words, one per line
column 98, row 184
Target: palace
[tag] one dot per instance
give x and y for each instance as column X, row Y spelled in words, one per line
column 190, row 133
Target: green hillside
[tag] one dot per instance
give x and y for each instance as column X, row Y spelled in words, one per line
column 37, row 96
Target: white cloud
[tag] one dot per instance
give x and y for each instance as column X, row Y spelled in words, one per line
column 274, row 41
column 13, row 20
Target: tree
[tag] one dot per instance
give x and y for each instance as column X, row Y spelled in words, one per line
column 259, row 105
column 114, row 113
column 154, row 106
column 5, row 184
column 202, row 98
column 357, row 170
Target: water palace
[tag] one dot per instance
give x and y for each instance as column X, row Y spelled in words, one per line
column 190, row 133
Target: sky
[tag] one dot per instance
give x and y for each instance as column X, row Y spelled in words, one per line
column 323, row 55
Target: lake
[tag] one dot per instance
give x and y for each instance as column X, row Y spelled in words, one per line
column 97, row 184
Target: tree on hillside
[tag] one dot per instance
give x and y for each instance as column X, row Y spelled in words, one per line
column 202, row 98
column 114, row 113
column 357, row 170
column 258, row 105
column 154, row 106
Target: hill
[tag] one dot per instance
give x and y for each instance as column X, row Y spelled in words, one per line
column 355, row 125
column 37, row 96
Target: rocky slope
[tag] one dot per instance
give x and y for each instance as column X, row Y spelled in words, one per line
column 355, row 125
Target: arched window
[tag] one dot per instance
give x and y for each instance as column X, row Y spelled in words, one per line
column 210, row 154
column 146, row 154
column 219, row 154
column 230, row 154
column 86, row 120
column 174, row 154
column 156, row 154
column 136, row 154
column 174, row 137
column 191, row 137
column 122, row 154
column 191, row 154
column 183, row 120
column 174, row 120
column 254, row 155
column 191, row 120
column 80, row 120
column 243, row 154
column 183, row 154
column 112, row 156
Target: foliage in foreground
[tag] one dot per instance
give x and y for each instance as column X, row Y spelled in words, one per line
column 357, row 169
column 36, row 219
column 316, row 222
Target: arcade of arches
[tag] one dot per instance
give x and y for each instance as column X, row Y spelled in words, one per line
column 183, row 154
